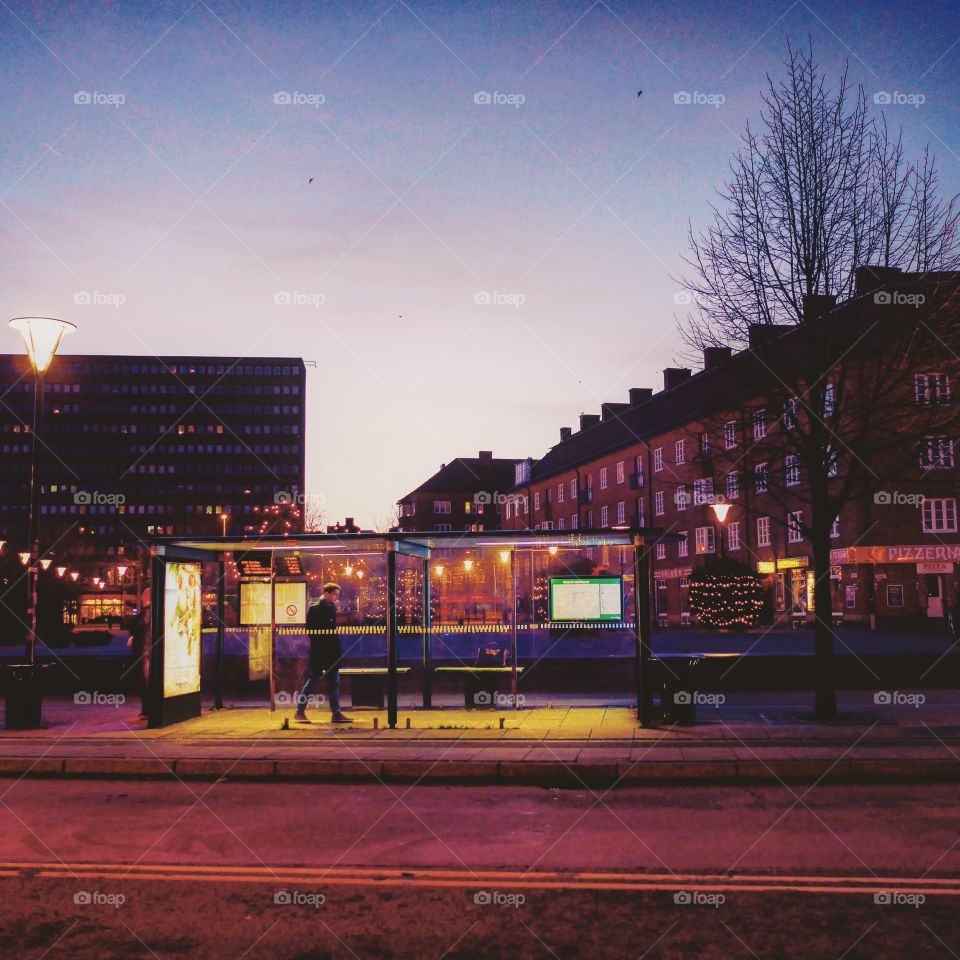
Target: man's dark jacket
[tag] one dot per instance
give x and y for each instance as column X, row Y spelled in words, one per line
column 325, row 652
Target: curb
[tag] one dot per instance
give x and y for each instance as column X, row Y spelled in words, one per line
column 624, row 773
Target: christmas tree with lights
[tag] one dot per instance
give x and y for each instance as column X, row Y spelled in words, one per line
column 726, row 593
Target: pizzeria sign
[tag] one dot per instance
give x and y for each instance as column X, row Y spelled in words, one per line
column 915, row 553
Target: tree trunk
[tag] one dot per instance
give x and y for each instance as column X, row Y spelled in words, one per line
column 825, row 706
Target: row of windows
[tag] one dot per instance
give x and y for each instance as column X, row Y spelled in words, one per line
column 174, row 369
column 162, row 389
column 937, row 516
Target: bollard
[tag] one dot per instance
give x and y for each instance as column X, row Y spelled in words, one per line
column 376, row 723
column 408, row 723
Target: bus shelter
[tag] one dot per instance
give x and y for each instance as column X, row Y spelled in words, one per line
column 411, row 603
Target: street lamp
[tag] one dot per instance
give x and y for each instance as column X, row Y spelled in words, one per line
column 720, row 511
column 41, row 337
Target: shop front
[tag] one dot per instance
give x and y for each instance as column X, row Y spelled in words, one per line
column 906, row 582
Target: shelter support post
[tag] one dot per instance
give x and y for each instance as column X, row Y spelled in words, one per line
column 221, row 603
column 513, row 627
column 427, row 665
column 391, row 636
column 641, row 608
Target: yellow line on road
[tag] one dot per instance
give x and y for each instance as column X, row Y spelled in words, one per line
column 419, row 877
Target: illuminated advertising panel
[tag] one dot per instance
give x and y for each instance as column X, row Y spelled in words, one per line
column 586, row 598
column 181, row 629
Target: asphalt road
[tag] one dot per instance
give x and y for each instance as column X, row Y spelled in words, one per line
column 116, row 869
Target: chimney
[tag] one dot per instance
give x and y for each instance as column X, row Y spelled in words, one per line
column 608, row 410
column 817, row 306
column 639, row 395
column 588, row 420
column 486, row 455
column 565, row 433
column 761, row 334
column 349, row 524
column 714, row 357
column 674, row 376
column 870, row 278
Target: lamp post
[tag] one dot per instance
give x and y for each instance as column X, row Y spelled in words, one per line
column 41, row 337
column 121, row 573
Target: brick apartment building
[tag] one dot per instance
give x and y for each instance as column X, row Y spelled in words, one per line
column 139, row 446
column 465, row 494
column 662, row 459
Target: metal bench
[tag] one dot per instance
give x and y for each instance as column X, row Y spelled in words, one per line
column 368, row 686
column 480, row 684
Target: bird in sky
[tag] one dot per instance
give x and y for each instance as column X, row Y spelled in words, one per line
column 310, row 180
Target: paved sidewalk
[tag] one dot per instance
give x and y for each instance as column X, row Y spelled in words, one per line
column 741, row 741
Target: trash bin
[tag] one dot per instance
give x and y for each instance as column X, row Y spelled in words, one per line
column 679, row 696
column 23, row 695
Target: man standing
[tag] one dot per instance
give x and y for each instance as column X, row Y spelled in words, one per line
column 325, row 655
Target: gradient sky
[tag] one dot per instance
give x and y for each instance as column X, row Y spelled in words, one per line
column 190, row 199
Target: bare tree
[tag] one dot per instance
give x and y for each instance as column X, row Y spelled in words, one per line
column 821, row 191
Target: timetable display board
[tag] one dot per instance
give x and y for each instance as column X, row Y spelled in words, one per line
column 255, row 603
column 586, row 598
column 254, row 563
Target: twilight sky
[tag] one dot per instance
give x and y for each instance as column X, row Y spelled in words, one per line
column 466, row 275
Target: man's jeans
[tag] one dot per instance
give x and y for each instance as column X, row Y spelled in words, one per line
column 313, row 681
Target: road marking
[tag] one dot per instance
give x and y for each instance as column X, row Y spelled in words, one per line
column 541, row 880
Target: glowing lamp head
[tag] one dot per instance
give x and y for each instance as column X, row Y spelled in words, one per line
column 45, row 563
column 24, row 557
column 121, row 571
column 41, row 337
column 438, row 569
column 720, row 510
column 467, row 564
column 553, row 551
column 504, row 556
column 348, row 569
column 61, row 571
column 74, row 575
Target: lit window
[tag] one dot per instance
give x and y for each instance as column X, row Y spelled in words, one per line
column 936, row 453
column 763, row 531
column 760, row 478
column 794, row 532
column 759, row 424
column 705, row 540
column 733, row 536
column 792, row 464
column 940, row 515
column 829, row 401
column 730, row 434
column 932, row 388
